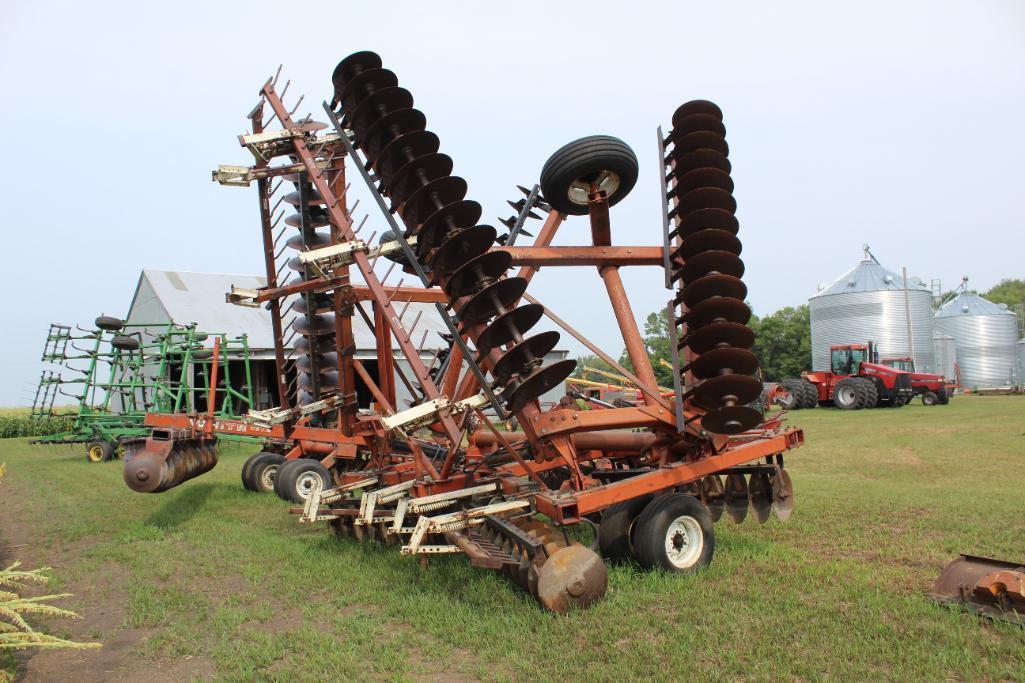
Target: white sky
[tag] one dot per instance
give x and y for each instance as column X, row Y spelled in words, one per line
column 897, row 124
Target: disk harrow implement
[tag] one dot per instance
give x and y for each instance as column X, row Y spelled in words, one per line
column 428, row 470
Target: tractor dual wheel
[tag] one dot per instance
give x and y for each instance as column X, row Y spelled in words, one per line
column 803, row 394
column 869, row 392
column 848, row 394
column 100, row 451
column 260, row 471
column 297, row 478
column 598, row 161
column 675, row 534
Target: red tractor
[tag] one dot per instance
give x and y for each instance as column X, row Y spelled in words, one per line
column 934, row 389
column 857, row 380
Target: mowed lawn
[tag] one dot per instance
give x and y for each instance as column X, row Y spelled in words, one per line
column 211, row 580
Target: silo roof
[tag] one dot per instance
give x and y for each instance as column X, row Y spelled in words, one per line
column 971, row 304
column 868, row 276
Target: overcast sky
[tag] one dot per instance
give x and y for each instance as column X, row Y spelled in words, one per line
column 898, row 124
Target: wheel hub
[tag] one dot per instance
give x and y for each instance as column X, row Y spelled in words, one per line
column 684, row 542
column 604, row 181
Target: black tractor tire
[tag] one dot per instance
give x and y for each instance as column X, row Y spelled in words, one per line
column 795, row 400
column 109, row 323
column 247, row 480
column 125, row 343
column 930, row 399
column 944, row 396
column 614, row 531
column 263, row 471
column 295, row 480
column 568, row 173
column 811, row 394
column 99, row 451
column 804, row 393
column 871, row 392
column 680, row 521
column 847, row 393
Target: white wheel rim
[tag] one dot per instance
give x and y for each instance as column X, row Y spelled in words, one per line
column 684, row 542
column 580, row 189
column 305, row 482
column 268, row 475
column 845, row 395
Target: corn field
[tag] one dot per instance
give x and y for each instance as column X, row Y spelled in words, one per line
column 17, row 422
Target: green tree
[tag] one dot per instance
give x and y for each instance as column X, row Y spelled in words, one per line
column 783, row 342
column 1008, row 291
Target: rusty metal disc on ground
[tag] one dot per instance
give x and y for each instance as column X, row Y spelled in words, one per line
column 467, row 279
column 719, row 309
column 731, row 420
column 573, row 577
column 716, row 335
column 404, row 149
column 782, row 495
column 710, row 262
column 713, row 495
column 710, row 364
column 462, row 247
column 376, row 105
column 735, row 492
column 708, row 240
column 367, row 82
column 713, row 285
column 520, row 356
column 435, row 195
column 412, row 175
column 738, row 389
column 759, row 492
column 703, row 107
column 505, row 327
column 457, row 216
column 992, row 587
column 538, row 382
column 496, row 298
column 389, row 127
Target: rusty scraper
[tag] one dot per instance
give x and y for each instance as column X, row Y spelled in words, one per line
column 990, row 587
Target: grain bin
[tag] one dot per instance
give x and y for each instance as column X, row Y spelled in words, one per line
column 1021, row 363
column 944, row 355
column 868, row 303
column 985, row 335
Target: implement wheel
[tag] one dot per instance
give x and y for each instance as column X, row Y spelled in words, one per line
column 263, row 470
column 614, row 532
column 247, row 475
column 930, row 399
column 99, row 451
column 675, row 534
column 297, row 478
column 599, row 160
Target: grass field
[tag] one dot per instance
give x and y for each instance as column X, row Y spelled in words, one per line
column 211, row 580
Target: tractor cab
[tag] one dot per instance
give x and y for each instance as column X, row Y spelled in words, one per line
column 845, row 359
column 905, row 364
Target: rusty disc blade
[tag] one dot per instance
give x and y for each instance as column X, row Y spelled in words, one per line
column 467, row 279
column 494, row 299
column 316, row 241
column 410, row 176
column 710, row 262
column 435, row 195
column 540, row 381
column 404, row 149
column 708, row 240
column 736, row 497
column 782, row 495
column 315, row 326
column 713, row 285
column 376, row 105
column 701, row 177
column 700, row 140
column 705, row 198
column 718, row 309
column 327, row 362
column 352, row 66
column 312, row 198
column 389, row 127
column 712, row 363
column 505, row 327
column 708, row 219
column 322, row 303
column 698, row 159
column 731, row 420
column 462, row 247
column 760, row 494
column 713, row 495
column 436, row 229
column 302, row 345
column 363, row 84
column 698, row 123
column 702, row 107
column 709, row 337
column 712, row 393
column 523, row 354
column 573, row 577
column 317, row 220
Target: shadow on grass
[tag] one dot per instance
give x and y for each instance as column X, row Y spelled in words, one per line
column 180, row 507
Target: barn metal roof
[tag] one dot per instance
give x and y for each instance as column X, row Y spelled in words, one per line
column 199, row 298
column 869, row 276
column 971, row 304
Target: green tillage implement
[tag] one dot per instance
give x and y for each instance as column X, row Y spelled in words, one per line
column 125, row 371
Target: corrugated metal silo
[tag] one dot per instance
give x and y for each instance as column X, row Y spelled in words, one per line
column 986, row 336
column 944, row 355
column 867, row 303
column 1021, row 363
